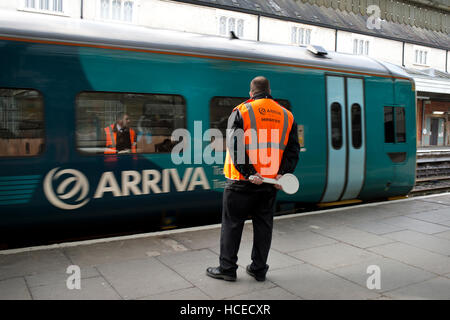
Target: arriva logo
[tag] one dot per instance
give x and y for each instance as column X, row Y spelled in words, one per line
column 64, row 198
column 72, row 191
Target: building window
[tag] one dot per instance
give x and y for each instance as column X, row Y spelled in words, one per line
column 300, row 36
column 420, row 57
column 152, row 119
column 227, row 24
column 118, row 10
column 21, row 123
column 54, row 6
column 361, row 47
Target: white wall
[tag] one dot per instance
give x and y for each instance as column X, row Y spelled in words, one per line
column 71, row 8
column 279, row 31
column 435, row 57
column 387, row 50
column 178, row 16
column 379, row 48
column 9, row 4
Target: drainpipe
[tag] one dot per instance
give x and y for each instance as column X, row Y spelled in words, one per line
column 335, row 40
column 81, row 11
column 259, row 22
column 403, row 54
column 446, row 61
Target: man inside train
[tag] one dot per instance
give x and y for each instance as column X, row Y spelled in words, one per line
column 120, row 138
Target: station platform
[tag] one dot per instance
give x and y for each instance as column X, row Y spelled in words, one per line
column 329, row 254
column 433, row 149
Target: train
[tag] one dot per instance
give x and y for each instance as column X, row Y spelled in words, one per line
column 64, row 80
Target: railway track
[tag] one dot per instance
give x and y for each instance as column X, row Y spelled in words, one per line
column 432, row 172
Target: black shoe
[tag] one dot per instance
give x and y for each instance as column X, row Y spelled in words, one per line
column 259, row 276
column 217, row 273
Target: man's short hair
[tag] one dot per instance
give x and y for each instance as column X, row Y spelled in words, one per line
column 260, row 84
column 120, row 115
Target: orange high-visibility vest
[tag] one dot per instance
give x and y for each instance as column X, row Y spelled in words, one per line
column 266, row 133
column 111, row 138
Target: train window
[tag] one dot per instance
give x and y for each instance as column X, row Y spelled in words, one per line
column 21, row 122
column 284, row 103
column 394, row 125
column 356, row 126
column 400, row 130
column 389, row 136
column 220, row 110
column 110, row 123
column 336, row 125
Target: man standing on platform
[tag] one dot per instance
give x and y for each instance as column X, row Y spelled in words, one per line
column 261, row 142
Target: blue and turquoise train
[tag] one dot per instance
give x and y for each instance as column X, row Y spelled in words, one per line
column 62, row 80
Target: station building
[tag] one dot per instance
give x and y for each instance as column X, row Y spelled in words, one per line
column 414, row 34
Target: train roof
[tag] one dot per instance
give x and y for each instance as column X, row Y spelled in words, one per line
column 64, row 30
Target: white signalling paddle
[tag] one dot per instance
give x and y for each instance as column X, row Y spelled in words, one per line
column 288, row 182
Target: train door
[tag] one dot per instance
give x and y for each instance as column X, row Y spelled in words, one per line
column 345, row 138
column 434, row 131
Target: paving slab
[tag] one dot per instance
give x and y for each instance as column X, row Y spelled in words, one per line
column 315, row 256
column 122, row 250
column 182, row 294
column 275, row 260
column 334, row 256
column 47, row 278
column 32, row 262
column 445, row 223
column 295, row 241
column 377, row 228
column 369, row 213
column 198, row 239
column 416, row 225
column 192, row 266
column 91, row 289
column 324, row 221
column 353, row 236
column 134, row 279
column 284, row 226
column 444, row 235
column 309, row 282
column 424, row 241
column 14, row 289
column 410, row 207
column 191, row 257
column 435, row 216
column 434, row 289
column 416, row 257
column 276, row 293
column 393, row 274
column 444, row 199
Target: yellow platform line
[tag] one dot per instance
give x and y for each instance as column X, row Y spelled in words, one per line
column 338, row 203
column 397, row 198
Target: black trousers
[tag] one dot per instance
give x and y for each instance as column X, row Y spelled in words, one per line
column 237, row 206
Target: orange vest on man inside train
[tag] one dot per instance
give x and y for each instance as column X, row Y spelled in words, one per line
column 271, row 125
column 111, row 140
